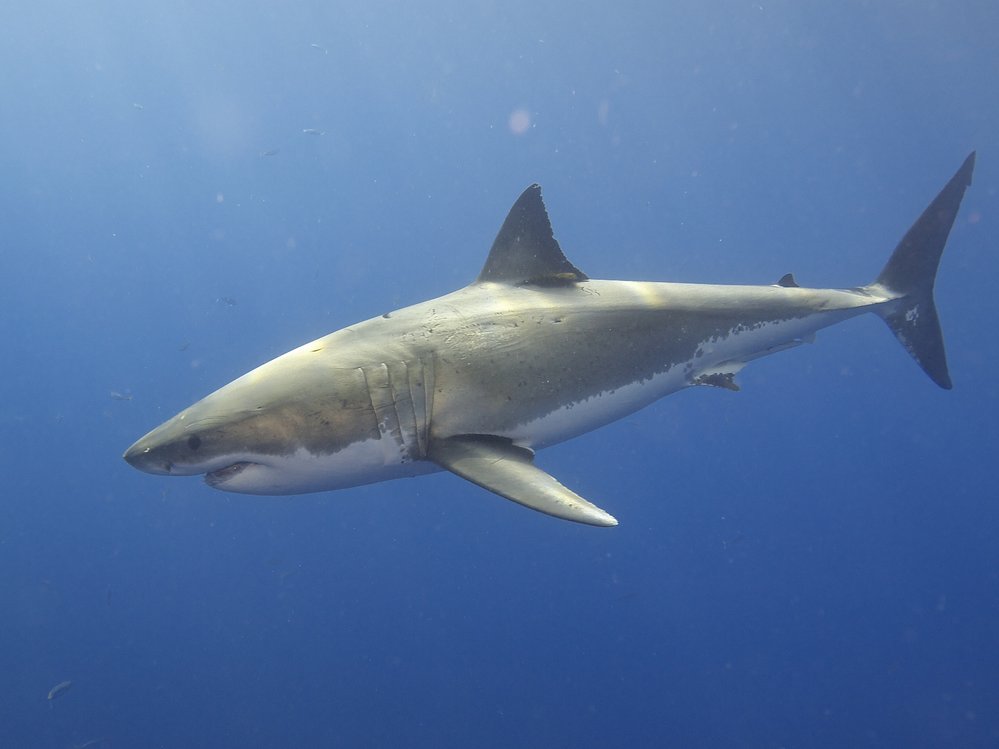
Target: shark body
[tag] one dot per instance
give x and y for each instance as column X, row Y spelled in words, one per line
column 530, row 354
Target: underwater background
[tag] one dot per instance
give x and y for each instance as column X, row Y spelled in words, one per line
column 190, row 189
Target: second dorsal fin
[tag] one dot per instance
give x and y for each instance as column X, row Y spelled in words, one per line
column 525, row 251
column 787, row 281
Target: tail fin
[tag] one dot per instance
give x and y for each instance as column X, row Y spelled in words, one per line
column 911, row 272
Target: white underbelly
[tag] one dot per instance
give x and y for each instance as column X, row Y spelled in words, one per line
column 301, row 472
column 595, row 411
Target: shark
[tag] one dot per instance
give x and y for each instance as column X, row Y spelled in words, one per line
column 530, row 354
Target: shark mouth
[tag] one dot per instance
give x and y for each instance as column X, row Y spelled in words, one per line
column 219, row 477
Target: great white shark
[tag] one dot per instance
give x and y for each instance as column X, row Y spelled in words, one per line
column 532, row 353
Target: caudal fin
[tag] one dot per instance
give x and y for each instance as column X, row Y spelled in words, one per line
column 911, row 272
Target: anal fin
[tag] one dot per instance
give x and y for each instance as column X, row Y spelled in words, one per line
column 496, row 464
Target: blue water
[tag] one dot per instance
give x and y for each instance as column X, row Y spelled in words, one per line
column 810, row 562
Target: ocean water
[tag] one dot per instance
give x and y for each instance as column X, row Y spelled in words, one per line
column 810, row 562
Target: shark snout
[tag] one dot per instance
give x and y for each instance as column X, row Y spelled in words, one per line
column 166, row 451
column 141, row 455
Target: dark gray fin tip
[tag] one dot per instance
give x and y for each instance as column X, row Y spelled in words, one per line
column 911, row 273
column 912, row 267
column 525, row 251
column 788, row 282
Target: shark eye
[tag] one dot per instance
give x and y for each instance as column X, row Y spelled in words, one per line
column 194, row 442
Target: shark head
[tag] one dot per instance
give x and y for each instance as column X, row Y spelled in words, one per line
column 268, row 433
column 207, row 438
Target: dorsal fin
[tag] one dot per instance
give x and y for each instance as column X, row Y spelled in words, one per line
column 525, row 250
column 787, row 281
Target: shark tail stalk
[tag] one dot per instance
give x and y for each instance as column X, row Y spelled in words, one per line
column 910, row 273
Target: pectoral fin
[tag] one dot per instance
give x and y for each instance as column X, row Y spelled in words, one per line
column 496, row 464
